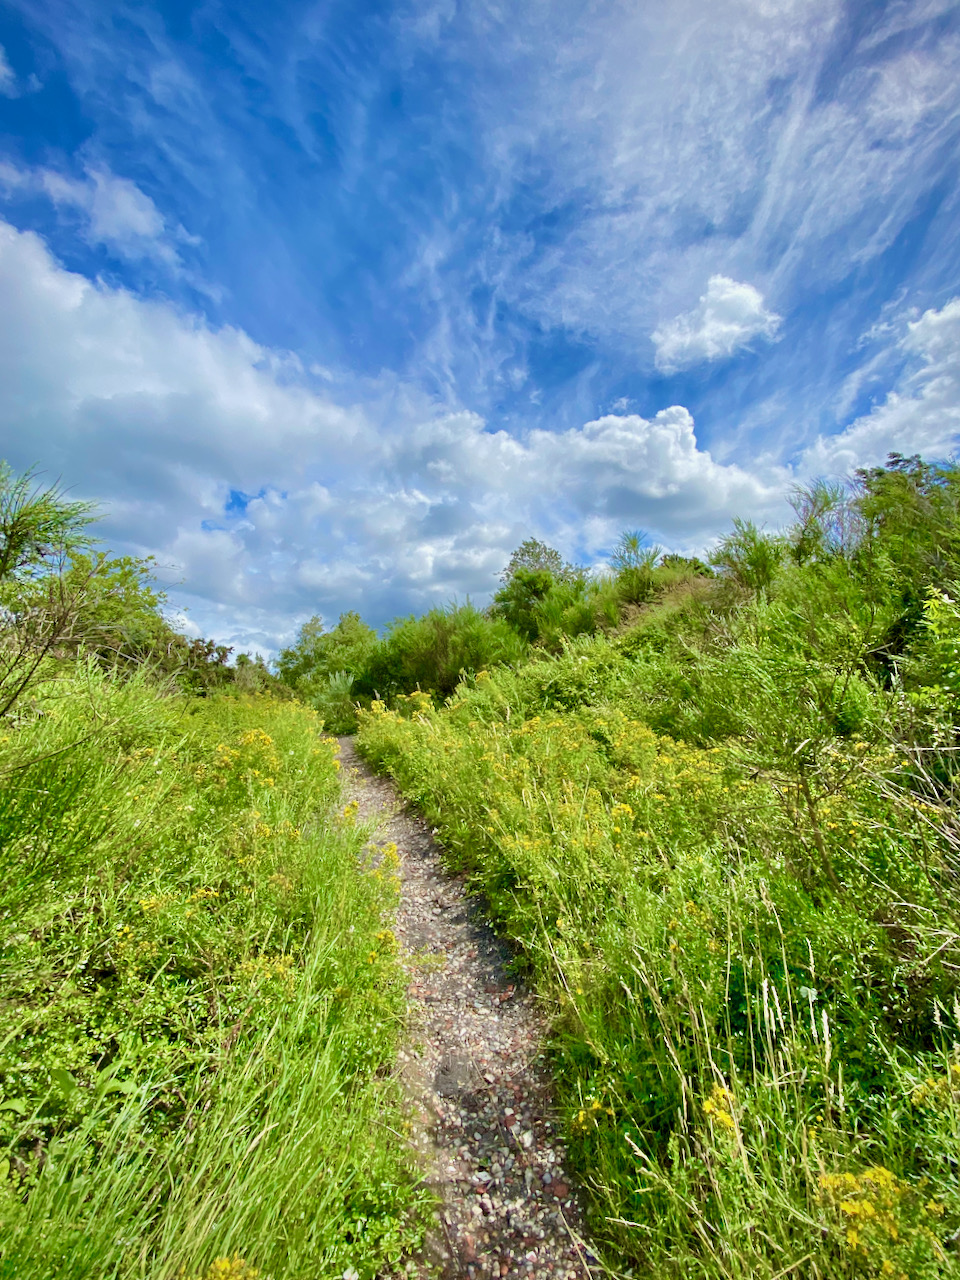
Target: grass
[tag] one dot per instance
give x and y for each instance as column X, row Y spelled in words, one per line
column 753, row 974
column 200, row 996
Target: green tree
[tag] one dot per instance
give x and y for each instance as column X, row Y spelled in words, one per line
column 519, row 599
column 829, row 522
column 749, row 557
column 534, row 556
column 39, row 527
column 317, row 655
column 39, row 530
column 119, row 608
column 634, row 564
column 433, row 652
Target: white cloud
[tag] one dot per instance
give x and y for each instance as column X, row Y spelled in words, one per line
column 121, row 216
column 8, row 81
column 729, row 316
column 922, row 413
column 387, row 506
column 758, row 140
column 118, row 214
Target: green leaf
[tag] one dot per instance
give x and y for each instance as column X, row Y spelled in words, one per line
column 63, row 1080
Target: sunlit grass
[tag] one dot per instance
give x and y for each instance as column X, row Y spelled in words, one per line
column 197, row 1003
column 736, row 1042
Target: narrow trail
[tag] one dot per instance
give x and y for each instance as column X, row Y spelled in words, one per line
column 473, row 1071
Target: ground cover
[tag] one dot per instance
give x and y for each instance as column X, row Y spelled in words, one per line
column 199, row 995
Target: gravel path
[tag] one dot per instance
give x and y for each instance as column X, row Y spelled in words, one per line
column 473, row 1071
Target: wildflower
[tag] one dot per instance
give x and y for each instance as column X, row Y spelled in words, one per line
column 718, row 1108
column 938, row 1091
column 232, row 1268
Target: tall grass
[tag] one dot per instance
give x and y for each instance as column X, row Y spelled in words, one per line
column 755, row 997
column 200, row 996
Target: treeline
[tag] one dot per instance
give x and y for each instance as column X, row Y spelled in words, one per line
column 542, row 603
column 888, row 533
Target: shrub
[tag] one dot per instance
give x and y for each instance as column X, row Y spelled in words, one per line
column 433, row 652
column 198, row 1002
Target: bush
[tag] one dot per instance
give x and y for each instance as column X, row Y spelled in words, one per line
column 725, row 843
column 433, row 652
column 200, row 993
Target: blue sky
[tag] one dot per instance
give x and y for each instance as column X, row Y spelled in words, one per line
column 334, row 304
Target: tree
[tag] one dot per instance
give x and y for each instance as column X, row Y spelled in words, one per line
column 634, row 564
column 829, row 522
column 434, row 651
column 912, row 511
column 749, row 557
column 317, row 656
column 518, row 600
column 39, row 530
column 534, row 556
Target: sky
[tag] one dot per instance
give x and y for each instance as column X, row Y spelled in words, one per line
column 331, row 305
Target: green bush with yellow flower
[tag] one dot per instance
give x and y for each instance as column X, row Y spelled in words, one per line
column 200, row 994
column 741, row 920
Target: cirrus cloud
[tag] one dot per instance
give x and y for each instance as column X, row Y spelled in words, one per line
column 920, row 415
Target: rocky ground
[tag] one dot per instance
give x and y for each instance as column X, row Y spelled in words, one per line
column 473, row 1072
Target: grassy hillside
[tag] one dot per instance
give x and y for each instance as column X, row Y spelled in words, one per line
column 198, row 986
column 726, row 845
column 715, row 808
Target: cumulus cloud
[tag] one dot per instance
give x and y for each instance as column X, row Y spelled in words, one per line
column 729, row 316
column 268, row 499
column 117, row 214
column 922, row 413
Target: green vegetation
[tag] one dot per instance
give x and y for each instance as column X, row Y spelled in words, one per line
column 725, row 842
column 541, row 605
column 714, row 807
column 200, row 991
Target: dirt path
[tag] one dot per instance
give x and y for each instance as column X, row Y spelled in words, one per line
column 473, row 1071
